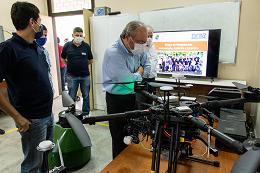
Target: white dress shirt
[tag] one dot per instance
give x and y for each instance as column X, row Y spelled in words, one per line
column 152, row 55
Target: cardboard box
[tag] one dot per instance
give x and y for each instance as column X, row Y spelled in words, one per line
column 100, row 11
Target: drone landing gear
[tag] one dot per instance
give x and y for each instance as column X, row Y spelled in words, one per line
column 173, row 153
column 214, row 163
column 154, row 145
column 188, row 152
column 174, row 149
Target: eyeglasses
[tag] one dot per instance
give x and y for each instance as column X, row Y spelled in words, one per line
column 141, row 42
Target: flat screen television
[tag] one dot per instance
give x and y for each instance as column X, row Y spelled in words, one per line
column 191, row 53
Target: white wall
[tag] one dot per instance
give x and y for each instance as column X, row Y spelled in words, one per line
column 66, row 24
column 5, row 9
column 247, row 67
column 7, row 24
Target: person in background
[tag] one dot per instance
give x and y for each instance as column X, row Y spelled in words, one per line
column 41, row 41
column 76, row 54
column 170, row 63
column 66, row 40
column 62, row 66
column 152, row 55
column 163, row 63
column 24, row 67
column 124, row 61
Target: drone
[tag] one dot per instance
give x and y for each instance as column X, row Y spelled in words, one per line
column 173, row 128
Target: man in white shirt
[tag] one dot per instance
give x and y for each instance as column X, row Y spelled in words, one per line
column 152, row 55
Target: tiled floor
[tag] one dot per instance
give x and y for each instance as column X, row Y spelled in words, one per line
column 11, row 154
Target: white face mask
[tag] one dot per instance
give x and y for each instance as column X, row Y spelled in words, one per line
column 138, row 48
column 149, row 41
column 78, row 40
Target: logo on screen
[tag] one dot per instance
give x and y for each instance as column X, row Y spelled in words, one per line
column 198, row 36
column 156, row 37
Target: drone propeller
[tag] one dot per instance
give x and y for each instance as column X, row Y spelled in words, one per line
column 67, row 101
column 248, row 162
column 153, row 84
column 79, row 130
column 116, row 83
column 213, row 97
column 74, row 122
column 240, row 86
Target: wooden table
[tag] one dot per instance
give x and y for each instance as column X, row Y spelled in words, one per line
column 136, row 159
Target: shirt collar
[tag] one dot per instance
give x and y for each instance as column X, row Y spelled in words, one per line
column 21, row 40
column 79, row 45
column 121, row 44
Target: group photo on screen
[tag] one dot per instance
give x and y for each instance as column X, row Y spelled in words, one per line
column 187, row 63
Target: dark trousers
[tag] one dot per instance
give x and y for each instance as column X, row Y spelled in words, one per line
column 62, row 75
column 119, row 104
column 142, row 98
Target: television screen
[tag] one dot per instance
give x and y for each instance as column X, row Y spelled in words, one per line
column 191, row 53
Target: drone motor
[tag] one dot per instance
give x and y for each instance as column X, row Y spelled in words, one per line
column 63, row 122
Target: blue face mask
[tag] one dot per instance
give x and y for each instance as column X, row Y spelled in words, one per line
column 41, row 41
column 40, row 33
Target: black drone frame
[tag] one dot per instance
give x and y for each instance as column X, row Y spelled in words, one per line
column 174, row 122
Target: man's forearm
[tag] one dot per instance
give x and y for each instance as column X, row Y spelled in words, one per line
column 7, row 107
column 64, row 61
column 90, row 61
column 140, row 70
column 23, row 123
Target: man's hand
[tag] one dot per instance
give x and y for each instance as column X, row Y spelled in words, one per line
column 64, row 61
column 90, row 61
column 140, row 70
column 23, row 123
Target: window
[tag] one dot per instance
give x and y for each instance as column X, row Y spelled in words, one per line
column 59, row 6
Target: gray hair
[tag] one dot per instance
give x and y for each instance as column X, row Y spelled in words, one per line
column 131, row 28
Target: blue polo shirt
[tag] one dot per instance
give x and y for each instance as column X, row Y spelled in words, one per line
column 23, row 65
column 77, row 58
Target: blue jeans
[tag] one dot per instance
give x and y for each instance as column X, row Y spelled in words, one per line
column 62, row 75
column 73, row 85
column 40, row 130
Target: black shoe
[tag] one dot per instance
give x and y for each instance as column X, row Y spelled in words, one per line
column 2, row 131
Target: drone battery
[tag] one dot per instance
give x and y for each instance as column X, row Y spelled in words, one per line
column 233, row 129
column 183, row 108
column 225, row 93
column 232, row 115
column 188, row 98
column 172, row 99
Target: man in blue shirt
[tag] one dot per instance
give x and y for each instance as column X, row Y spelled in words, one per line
column 41, row 41
column 124, row 61
column 23, row 65
column 76, row 54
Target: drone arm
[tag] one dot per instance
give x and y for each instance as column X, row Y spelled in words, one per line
column 234, row 144
column 215, row 104
column 117, row 116
column 151, row 96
